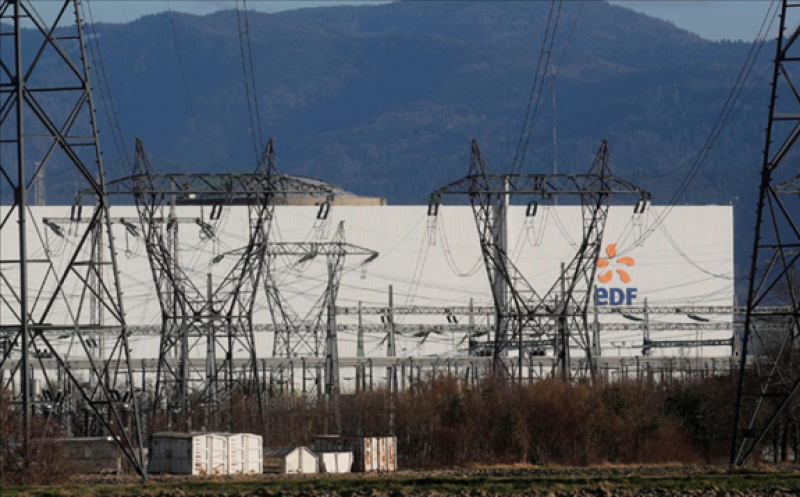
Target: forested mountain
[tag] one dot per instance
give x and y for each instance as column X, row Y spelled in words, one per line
column 383, row 100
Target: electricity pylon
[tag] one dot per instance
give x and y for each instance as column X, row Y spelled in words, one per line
column 48, row 120
column 198, row 313
column 768, row 376
column 560, row 314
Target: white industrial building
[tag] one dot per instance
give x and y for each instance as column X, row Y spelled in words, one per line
column 679, row 256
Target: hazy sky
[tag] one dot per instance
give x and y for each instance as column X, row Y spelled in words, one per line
column 720, row 19
column 716, row 20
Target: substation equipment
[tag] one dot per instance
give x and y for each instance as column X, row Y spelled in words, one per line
column 202, row 312
column 198, row 313
column 315, row 333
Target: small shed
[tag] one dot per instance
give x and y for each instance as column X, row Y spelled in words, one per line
column 290, row 460
column 188, row 454
column 369, row 453
column 245, row 454
column 92, row 455
column 335, row 462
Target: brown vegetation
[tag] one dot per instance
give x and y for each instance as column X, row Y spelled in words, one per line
column 447, row 422
column 45, row 458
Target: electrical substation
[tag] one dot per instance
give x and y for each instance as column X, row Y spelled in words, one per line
column 161, row 293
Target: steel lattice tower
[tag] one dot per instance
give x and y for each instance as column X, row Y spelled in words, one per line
column 314, row 335
column 561, row 314
column 49, row 121
column 198, row 313
column 769, row 377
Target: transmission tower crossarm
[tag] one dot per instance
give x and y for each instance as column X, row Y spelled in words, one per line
column 319, row 248
column 215, row 185
column 542, row 185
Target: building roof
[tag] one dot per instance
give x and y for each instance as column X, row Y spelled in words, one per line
column 284, row 451
column 177, row 434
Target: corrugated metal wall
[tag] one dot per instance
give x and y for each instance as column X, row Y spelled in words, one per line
column 684, row 258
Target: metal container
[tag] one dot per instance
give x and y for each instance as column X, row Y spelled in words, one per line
column 369, row 453
column 290, row 460
column 245, row 454
column 92, row 455
column 335, row 462
column 188, row 454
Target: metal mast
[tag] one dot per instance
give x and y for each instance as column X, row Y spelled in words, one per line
column 51, row 120
column 768, row 374
column 519, row 308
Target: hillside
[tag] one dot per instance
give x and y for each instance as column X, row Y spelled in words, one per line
column 383, row 100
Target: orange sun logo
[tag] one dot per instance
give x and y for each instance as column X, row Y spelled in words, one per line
column 605, row 276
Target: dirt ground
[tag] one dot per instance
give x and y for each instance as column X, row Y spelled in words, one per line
column 605, row 481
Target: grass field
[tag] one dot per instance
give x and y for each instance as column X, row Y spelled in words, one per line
column 426, row 483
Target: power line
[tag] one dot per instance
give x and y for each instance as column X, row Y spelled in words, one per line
column 250, row 113
column 723, row 119
column 253, row 73
column 106, row 97
column 554, row 79
column 186, row 87
column 538, row 84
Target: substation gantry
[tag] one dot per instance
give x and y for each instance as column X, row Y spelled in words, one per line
column 215, row 316
column 47, row 115
column 560, row 314
column 769, row 377
column 303, row 337
column 642, row 324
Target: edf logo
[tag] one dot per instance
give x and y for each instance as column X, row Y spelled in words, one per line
column 614, row 296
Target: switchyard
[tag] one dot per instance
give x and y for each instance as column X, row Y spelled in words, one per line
column 164, row 299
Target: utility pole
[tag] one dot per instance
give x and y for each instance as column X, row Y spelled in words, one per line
column 598, row 350
column 22, row 213
column 555, row 129
column 499, row 230
column 331, row 345
column 647, row 350
column 211, row 361
column 184, row 301
column 471, row 321
column 173, row 237
column 298, row 337
column 360, row 338
column 332, row 387
column 563, row 329
column 391, row 351
column 391, row 345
